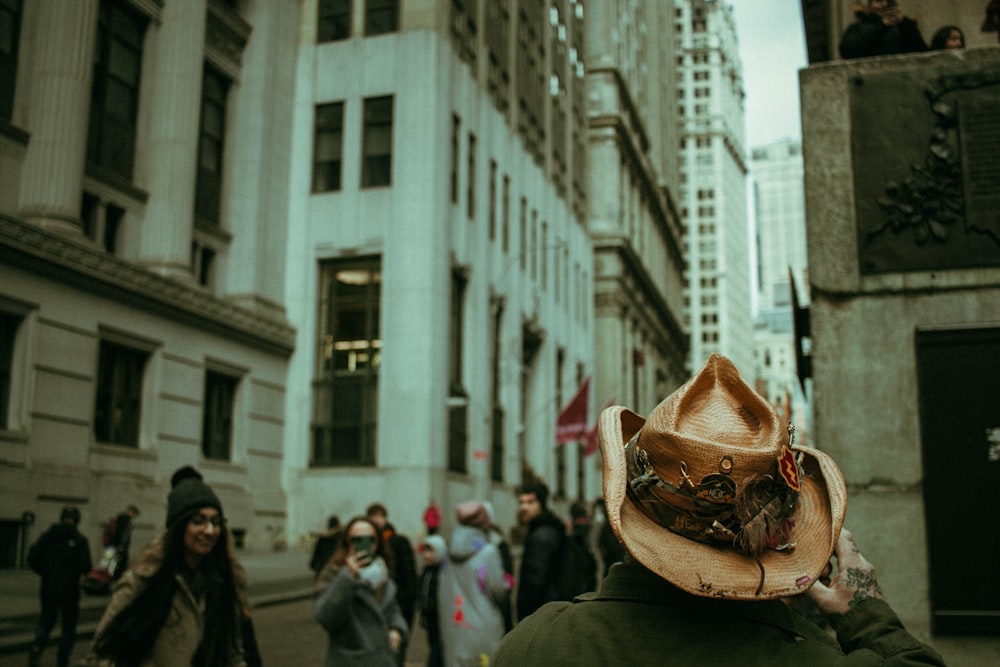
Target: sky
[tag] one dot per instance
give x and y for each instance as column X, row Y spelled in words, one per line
column 772, row 47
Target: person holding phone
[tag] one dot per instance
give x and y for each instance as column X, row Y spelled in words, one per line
column 881, row 29
column 358, row 608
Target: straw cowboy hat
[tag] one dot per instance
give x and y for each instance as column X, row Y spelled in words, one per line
column 709, row 494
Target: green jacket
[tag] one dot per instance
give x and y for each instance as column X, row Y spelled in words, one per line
column 637, row 618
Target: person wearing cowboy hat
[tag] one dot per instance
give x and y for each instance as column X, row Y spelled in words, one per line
column 723, row 521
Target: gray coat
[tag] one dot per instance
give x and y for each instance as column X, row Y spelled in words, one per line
column 472, row 588
column 357, row 622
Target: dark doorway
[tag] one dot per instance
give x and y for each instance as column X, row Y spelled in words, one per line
column 959, row 384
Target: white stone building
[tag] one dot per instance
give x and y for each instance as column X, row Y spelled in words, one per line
column 142, row 247
column 439, row 270
column 713, row 177
column 780, row 225
column 641, row 346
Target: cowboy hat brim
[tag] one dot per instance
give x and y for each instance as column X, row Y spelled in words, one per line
column 711, row 571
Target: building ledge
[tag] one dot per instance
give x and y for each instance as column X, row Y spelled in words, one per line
column 77, row 264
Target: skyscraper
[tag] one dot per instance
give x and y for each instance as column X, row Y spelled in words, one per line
column 713, row 178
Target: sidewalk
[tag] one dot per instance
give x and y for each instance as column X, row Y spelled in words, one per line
column 272, row 577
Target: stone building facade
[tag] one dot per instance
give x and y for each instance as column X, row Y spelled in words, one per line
column 141, row 280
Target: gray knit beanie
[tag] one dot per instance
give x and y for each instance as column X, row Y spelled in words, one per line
column 188, row 495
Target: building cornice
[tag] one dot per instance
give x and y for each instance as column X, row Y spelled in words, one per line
column 638, row 286
column 82, row 266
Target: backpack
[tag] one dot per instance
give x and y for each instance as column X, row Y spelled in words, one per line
column 578, row 571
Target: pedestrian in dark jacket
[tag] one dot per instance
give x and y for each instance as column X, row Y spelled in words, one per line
column 723, row 519
column 543, row 547
column 880, row 29
column 60, row 556
column 433, row 550
column 402, row 565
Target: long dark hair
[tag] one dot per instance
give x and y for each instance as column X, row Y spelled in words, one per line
column 130, row 635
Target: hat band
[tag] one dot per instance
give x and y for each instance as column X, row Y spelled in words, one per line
column 716, row 511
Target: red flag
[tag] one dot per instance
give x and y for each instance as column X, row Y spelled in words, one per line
column 572, row 421
column 591, row 440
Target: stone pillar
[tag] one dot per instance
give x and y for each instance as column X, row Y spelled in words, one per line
column 258, row 146
column 62, row 72
column 167, row 151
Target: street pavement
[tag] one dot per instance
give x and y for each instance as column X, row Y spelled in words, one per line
column 279, row 587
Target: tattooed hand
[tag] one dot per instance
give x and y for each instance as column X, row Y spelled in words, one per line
column 855, row 580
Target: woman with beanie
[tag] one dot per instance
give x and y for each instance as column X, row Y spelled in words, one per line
column 358, row 608
column 473, row 590
column 181, row 602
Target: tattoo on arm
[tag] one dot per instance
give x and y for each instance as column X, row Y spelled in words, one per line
column 864, row 584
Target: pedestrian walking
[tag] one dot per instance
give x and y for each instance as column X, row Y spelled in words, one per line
column 402, row 565
column 433, row 551
column 543, row 548
column 473, row 590
column 358, row 608
column 182, row 601
column 60, row 557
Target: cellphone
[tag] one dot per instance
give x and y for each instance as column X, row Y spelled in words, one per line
column 362, row 544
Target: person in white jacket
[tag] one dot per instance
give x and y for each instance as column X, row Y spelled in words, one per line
column 473, row 589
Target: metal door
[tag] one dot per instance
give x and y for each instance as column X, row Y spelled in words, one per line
column 959, row 386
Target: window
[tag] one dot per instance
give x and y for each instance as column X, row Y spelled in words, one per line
column 496, row 354
column 119, row 394
column 9, row 325
column 202, row 263
column 334, row 20
column 376, row 166
column 470, row 211
column 348, row 360
column 456, row 133
column 524, row 234
column 217, row 423
column 381, row 16
column 328, row 146
column 114, row 98
column 211, row 138
column 458, row 397
column 492, row 213
column 506, row 213
column 10, row 33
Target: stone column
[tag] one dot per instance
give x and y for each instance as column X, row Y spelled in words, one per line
column 62, row 72
column 167, row 151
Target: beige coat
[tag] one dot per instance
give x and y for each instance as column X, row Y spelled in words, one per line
column 179, row 638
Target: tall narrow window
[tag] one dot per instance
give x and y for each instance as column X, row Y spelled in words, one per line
column 523, row 239
column 470, row 210
column 492, row 213
column 458, row 398
column 376, row 166
column 456, row 135
column 211, row 137
column 560, row 489
column 10, row 37
column 381, row 16
column 8, row 331
column 348, row 360
column 328, row 146
column 217, row 423
column 505, row 216
column 114, row 99
column 497, row 450
column 118, row 408
column 333, row 20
